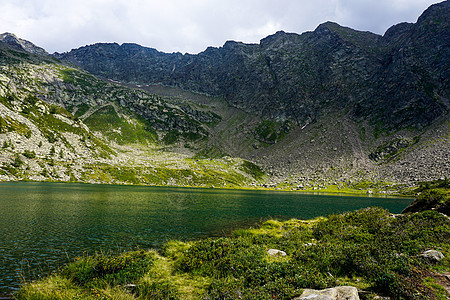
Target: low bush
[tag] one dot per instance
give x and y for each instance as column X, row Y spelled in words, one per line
column 101, row 270
column 29, row 154
column 163, row 290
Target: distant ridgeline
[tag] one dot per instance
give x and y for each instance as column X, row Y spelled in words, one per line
column 397, row 80
column 335, row 108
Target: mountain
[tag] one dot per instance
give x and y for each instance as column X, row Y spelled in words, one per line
column 20, row 44
column 395, row 81
column 333, row 107
column 60, row 123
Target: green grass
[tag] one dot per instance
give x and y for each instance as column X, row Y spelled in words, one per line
column 253, row 170
column 368, row 248
column 82, row 109
column 107, row 121
column 438, row 289
column 270, row 132
column 201, row 173
column 210, row 151
column 7, row 124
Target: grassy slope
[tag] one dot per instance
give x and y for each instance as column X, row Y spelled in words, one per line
column 369, row 248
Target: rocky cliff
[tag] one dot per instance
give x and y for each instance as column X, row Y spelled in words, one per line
column 395, row 81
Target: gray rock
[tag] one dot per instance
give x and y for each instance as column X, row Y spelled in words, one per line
column 337, row 293
column 433, row 255
column 275, row 252
column 21, row 44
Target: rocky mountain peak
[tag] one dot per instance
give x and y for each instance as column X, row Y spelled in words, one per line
column 12, row 40
column 436, row 13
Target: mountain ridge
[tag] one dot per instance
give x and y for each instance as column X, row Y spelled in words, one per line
column 21, row 44
column 332, row 64
column 330, row 107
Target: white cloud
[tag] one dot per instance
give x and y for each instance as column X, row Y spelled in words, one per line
column 190, row 26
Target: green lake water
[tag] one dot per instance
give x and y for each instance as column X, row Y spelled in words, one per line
column 45, row 225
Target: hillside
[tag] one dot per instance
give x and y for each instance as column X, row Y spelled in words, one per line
column 335, row 107
column 60, row 123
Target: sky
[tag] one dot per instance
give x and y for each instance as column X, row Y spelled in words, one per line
column 190, row 25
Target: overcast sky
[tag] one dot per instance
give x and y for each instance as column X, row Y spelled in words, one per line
column 190, row 25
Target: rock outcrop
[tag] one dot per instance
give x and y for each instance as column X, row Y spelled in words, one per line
column 20, row 44
column 276, row 252
column 337, row 293
column 433, row 255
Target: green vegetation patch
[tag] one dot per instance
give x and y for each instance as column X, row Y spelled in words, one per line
column 81, row 109
column 254, row 170
column 29, row 154
column 432, row 195
column 270, row 132
column 209, row 151
column 391, row 148
column 103, row 270
column 107, row 121
column 8, row 124
column 171, row 137
column 368, row 248
column 80, row 79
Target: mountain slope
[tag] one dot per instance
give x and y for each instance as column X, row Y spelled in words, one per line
column 396, row 80
column 60, row 123
column 333, row 107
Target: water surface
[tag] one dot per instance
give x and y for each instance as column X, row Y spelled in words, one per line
column 44, row 225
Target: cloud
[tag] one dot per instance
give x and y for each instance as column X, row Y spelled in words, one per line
column 190, row 26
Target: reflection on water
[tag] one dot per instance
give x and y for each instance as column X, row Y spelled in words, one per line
column 44, row 225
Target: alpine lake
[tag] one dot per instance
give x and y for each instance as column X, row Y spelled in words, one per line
column 46, row 225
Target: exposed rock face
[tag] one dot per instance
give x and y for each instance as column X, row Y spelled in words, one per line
column 397, row 80
column 12, row 40
column 337, row 293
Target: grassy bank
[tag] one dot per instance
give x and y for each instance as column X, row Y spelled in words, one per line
column 371, row 249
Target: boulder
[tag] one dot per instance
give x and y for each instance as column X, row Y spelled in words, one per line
column 433, row 255
column 337, row 293
column 275, row 252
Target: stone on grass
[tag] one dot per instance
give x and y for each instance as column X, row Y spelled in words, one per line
column 433, row 255
column 275, row 252
column 337, row 293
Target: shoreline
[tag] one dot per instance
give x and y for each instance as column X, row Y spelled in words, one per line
column 330, row 190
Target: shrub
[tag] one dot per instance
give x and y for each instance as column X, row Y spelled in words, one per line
column 17, row 162
column 29, row 154
column 115, row 269
column 53, row 109
column 252, row 169
column 163, row 289
column 221, row 257
column 429, row 199
column 171, row 137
